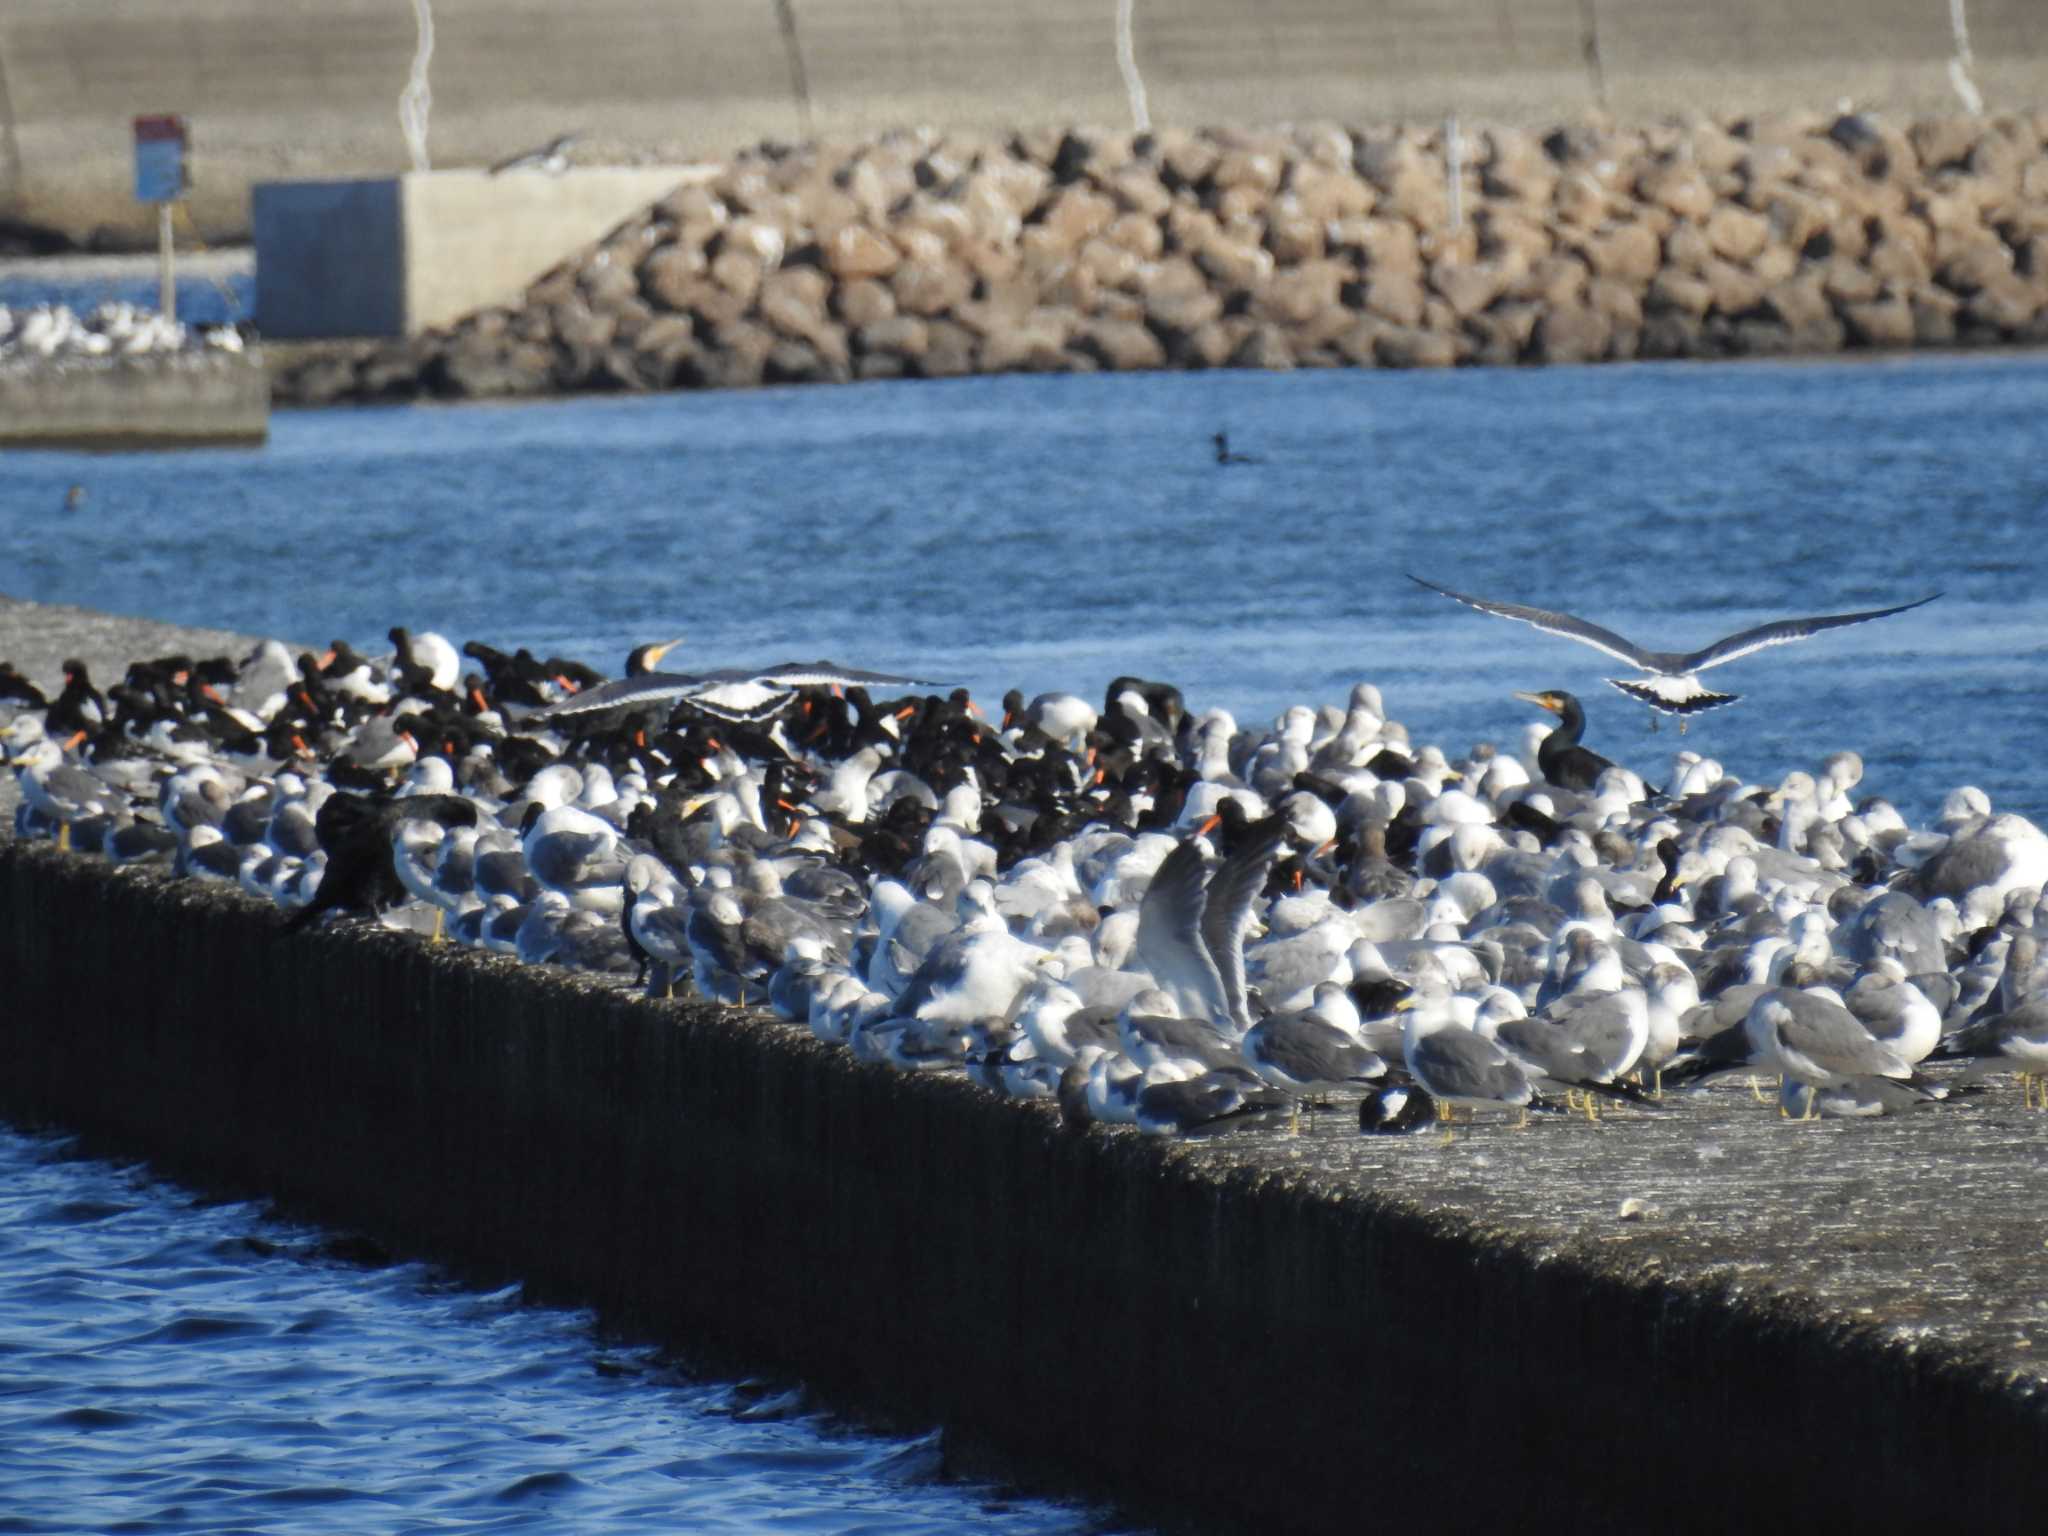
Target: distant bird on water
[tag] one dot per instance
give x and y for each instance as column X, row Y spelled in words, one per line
column 553, row 157
column 1672, row 685
column 1225, row 456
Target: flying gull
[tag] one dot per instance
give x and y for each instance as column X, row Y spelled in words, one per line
column 1672, row 685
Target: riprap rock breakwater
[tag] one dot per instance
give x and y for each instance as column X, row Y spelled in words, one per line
column 933, row 256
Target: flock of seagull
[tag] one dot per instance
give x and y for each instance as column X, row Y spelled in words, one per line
column 1151, row 915
column 115, row 329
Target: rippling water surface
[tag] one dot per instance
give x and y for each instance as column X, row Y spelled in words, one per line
column 1053, row 532
column 169, row 1363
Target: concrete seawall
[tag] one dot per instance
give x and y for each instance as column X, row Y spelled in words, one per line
column 298, row 88
column 186, row 399
column 1829, row 1320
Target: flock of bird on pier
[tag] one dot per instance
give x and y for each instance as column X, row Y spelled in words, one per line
column 1151, row 914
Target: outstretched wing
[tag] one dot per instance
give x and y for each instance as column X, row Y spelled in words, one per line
column 1565, row 624
column 1227, row 913
column 622, row 693
column 1784, row 632
column 1169, row 942
column 829, row 674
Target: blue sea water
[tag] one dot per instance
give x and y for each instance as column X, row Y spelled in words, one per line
column 170, row 1363
column 1054, row 532
column 167, row 1363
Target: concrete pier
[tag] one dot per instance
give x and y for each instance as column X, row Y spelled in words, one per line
column 392, row 256
column 161, row 400
column 1684, row 1321
column 1708, row 1320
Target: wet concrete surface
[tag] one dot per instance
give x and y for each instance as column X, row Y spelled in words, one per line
column 1705, row 1312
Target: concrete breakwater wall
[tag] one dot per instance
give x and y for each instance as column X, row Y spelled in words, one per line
column 936, row 256
column 310, row 88
column 1279, row 1335
column 162, row 400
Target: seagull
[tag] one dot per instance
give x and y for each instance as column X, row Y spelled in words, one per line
column 1672, row 685
column 553, row 157
column 730, row 693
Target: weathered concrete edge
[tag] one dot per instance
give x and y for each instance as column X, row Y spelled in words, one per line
column 167, row 400
column 1256, row 1348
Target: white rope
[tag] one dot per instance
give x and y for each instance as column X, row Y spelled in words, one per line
column 1454, row 172
column 1127, row 65
column 1962, row 64
column 417, row 100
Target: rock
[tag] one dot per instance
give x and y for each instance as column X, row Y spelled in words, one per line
column 1328, row 194
column 879, row 365
column 1266, row 347
column 694, row 208
column 1671, row 333
column 1396, row 297
column 1944, row 141
column 1671, row 289
column 1898, row 262
column 1408, row 181
column 1206, row 346
column 1071, row 158
column 1468, row 287
column 2004, row 305
column 1111, row 266
column 1292, row 235
column 1570, row 334
column 1136, row 233
column 1138, row 191
column 1847, row 282
column 1235, row 264
column 1886, row 322
column 606, row 280
column 1036, row 346
column 1679, row 187
column 797, row 362
column 792, row 301
column 1187, row 160
column 1257, row 169
column 630, row 316
column 928, row 288
column 1934, row 317
column 738, row 271
column 1515, row 168
column 1242, row 211
column 905, row 335
column 863, row 301
column 1581, row 202
column 669, row 275
column 1559, row 279
column 1398, row 346
column 949, row 351
column 1119, row 345
column 1177, row 296
column 856, row 252
column 1982, row 262
column 1075, row 214
column 735, row 356
column 1385, row 246
column 1736, row 233
column 577, row 325
column 1629, row 253
column 1796, row 217
column 1517, row 241
column 1296, row 296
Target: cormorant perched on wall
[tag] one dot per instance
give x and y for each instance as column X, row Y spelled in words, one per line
column 1563, row 761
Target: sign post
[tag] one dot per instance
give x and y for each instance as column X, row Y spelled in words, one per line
column 160, row 178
